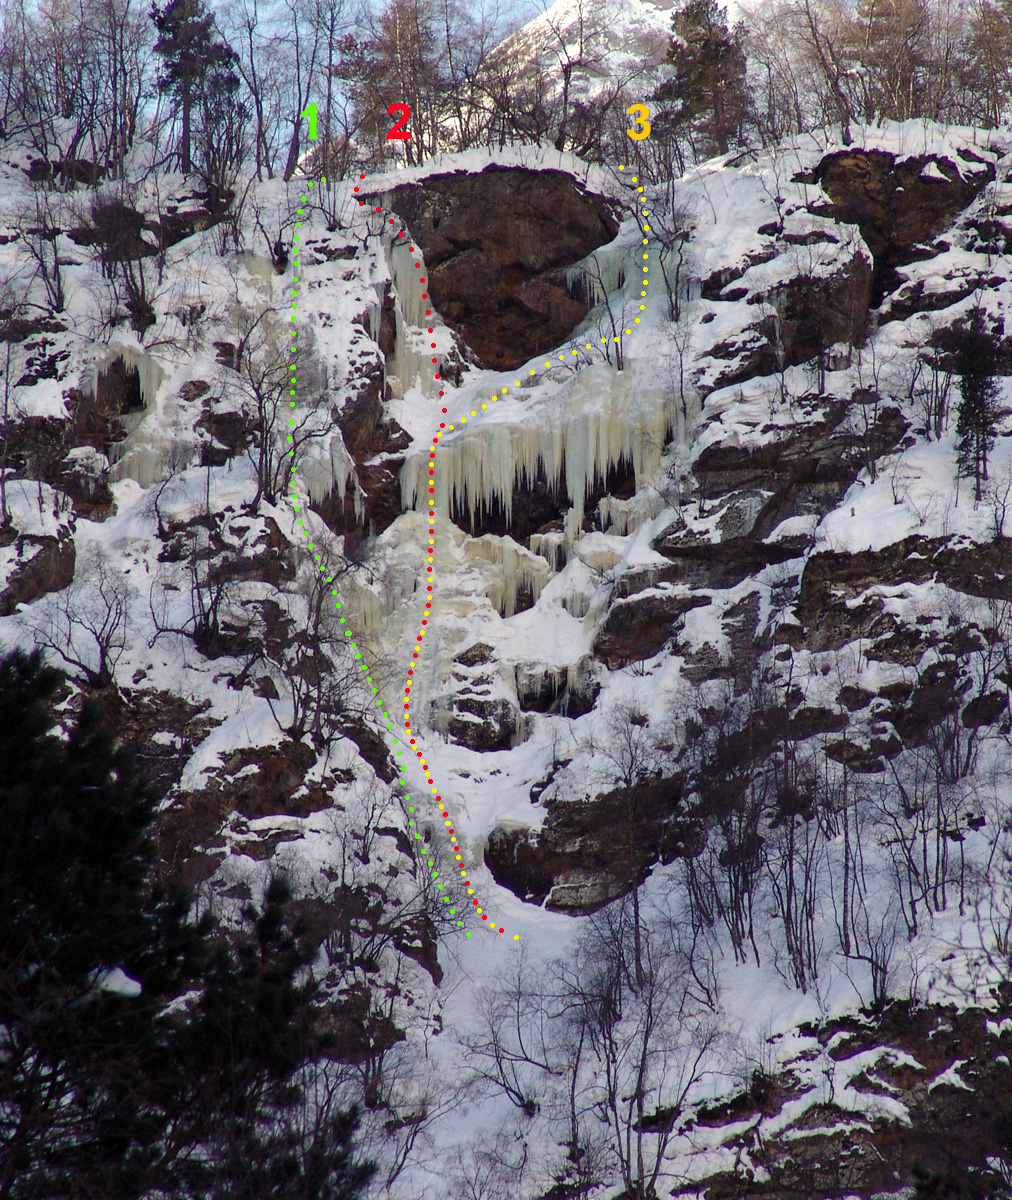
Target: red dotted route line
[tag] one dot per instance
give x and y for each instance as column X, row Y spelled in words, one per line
column 447, row 428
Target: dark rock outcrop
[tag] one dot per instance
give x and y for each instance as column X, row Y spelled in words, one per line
column 589, row 853
column 638, row 627
column 832, row 579
column 481, row 716
column 807, row 469
column 813, row 312
column 117, row 228
column 898, row 206
column 816, row 312
column 495, row 244
column 40, row 564
column 376, row 443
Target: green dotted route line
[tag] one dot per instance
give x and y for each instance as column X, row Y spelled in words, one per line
column 427, row 855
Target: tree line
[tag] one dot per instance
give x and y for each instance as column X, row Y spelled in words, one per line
column 221, row 91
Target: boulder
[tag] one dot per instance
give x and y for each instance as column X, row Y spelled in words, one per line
column 496, row 244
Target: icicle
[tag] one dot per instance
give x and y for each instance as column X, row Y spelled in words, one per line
column 521, row 570
column 149, row 373
column 375, row 311
column 577, row 604
column 551, row 546
column 412, row 358
column 598, row 419
column 533, row 678
column 599, row 274
column 626, row 516
column 327, row 468
column 150, row 451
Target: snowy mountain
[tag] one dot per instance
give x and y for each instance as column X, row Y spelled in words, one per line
column 714, row 684
column 607, row 41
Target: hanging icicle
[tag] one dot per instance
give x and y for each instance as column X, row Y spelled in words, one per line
column 521, row 571
column 598, row 419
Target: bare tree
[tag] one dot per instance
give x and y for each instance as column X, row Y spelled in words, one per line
column 13, row 310
column 632, row 751
column 88, row 623
column 311, row 664
column 496, row 1168
column 41, row 218
column 514, row 1050
column 649, row 1043
column 262, row 386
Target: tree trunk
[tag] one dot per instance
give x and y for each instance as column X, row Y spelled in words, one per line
column 184, row 148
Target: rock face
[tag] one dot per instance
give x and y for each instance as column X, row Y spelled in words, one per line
column 33, row 566
column 817, row 313
column 898, row 206
column 830, row 580
column 484, row 711
column 638, row 626
column 495, row 244
column 907, row 1050
column 591, row 852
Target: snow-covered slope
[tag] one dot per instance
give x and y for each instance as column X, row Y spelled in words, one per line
column 750, row 540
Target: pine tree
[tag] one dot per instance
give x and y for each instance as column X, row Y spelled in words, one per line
column 709, row 88
column 976, row 364
column 253, row 1030
column 199, row 69
column 113, row 1092
column 76, row 901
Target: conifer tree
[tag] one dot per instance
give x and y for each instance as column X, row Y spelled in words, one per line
column 108, row 1090
column 709, row 90
column 976, row 364
column 253, row 1030
column 76, row 903
column 199, row 69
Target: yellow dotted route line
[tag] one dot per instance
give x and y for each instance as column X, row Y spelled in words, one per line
column 317, row 556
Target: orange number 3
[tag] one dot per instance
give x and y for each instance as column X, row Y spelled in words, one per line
column 641, row 116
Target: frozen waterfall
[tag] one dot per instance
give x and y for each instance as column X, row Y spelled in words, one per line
column 597, row 419
column 411, row 362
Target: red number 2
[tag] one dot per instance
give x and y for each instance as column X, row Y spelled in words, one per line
column 397, row 131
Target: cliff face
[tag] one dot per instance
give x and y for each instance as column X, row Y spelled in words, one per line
column 496, row 243
column 737, row 552
column 812, row 382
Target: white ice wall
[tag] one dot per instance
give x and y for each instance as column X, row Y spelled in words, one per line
column 411, row 363
column 599, row 418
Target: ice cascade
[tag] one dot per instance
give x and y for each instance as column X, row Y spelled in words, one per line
column 329, row 466
column 600, row 274
column 411, row 364
column 597, row 419
column 142, row 456
column 136, row 359
column 520, row 569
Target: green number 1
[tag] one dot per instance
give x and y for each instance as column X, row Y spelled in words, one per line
column 310, row 112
